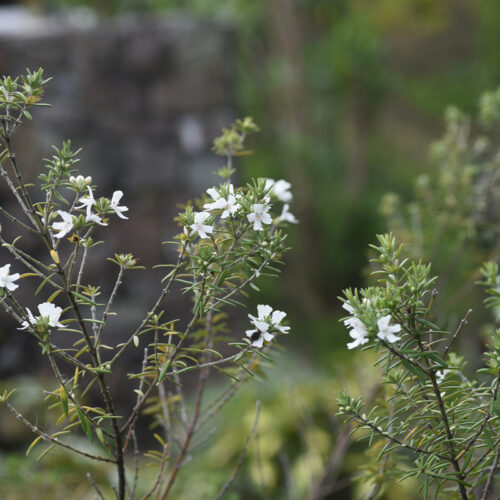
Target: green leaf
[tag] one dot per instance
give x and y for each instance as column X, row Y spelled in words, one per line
column 488, row 438
column 163, row 370
column 415, row 370
column 84, row 422
column 64, row 401
column 225, row 372
column 84, row 299
column 100, row 435
column 428, row 324
column 44, row 282
column 496, row 407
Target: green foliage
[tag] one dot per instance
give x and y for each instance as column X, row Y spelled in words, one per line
column 442, row 425
column 452, row 221
column 222, row 250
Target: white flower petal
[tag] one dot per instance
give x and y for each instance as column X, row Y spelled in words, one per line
column 264, row 310
column 277, row 317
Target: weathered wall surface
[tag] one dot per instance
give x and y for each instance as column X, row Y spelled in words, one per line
column 144, row 98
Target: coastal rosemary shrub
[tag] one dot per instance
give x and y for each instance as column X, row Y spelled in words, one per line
column 439, row 415
column 228, row 238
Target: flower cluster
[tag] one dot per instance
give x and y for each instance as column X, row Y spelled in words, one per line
column 359, row 332
column 88, row 202
column 267, row 323
column 249, row 205
column 49, row 313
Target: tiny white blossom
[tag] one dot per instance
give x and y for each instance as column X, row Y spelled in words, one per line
column 7, row 279
column 31, row 320
column 87, row 201
column 65, row 226
column 348, row 307
column 357, row 332
column 441, row 374
column 199, row 227
column 115, row 199
column 49, row 312
column 287, row 216
column 274, row 318
column 91, row 217
column 386, row 331
column 268, row 185
column 52, row 312
column 281, row 189
column 259, row 216
column 263, row 311
column 259, row 334
column 228, row 205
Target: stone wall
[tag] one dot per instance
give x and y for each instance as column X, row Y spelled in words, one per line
column 144, row 98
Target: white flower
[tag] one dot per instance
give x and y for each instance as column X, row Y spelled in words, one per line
column 90, row 217
column 32, row 321
column 357, row 332
column 52, row 312
column 348, row 308
column 263, row 311
column 441, row 374
column 115, row 199
column 65, row 226
column 273, row 318
column 259, row 216
column 259, row 334
column 87, row 201
column 386, row 332
column 199, row 227
column 228, row 205
column 281, row 189
column 269, row 184
column 49, row 312
column 6, row 279
column 286, row 215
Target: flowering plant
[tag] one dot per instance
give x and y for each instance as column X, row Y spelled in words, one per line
column 435, row 420
column 226, row 242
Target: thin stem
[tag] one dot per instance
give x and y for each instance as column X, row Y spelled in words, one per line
column 393, row 439
column 17, row 221
column 157, row 304
column 48, row 437
column 94, row 485
column 457, row 331
column 16, row 194
column 490, row 476
column 105, row 315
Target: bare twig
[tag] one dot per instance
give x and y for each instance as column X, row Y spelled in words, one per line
column 48, row 437
column 94, row 485
column 490, row 476
column 455, row 335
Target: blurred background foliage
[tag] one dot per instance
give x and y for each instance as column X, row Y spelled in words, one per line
column 349, row 95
